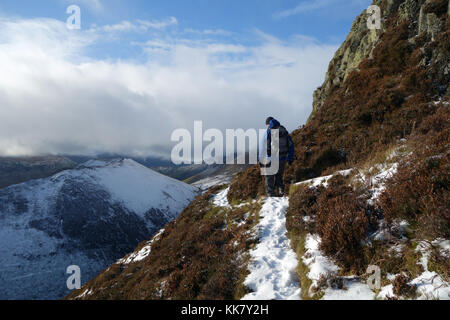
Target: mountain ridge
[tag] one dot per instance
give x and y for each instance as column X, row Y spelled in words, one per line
column 14, row 170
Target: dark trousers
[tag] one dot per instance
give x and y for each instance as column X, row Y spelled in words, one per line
column 275, row 183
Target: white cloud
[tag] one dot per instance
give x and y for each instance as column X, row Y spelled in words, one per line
column 158, row 24
column 214, row 32
column 119, row 27
column 54, row 99
column 138, row 26
column 305, row 6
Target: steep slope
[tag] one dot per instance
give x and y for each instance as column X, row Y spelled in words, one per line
column 402, row 73
column 89, row 216
column 15, row 170
column 386, row 117
column 380, row 122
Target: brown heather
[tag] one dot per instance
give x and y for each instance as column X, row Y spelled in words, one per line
column 402, row 288
column 419, row 192
column 199, row 256
column 342, row 224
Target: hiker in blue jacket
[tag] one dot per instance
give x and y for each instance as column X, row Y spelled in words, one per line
column 274, row 183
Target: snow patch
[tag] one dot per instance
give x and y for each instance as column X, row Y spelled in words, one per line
column 386, row 291
column 273, row 262
column 378, row 181
column 320, row 265
column 430, row 285
column 324, row 180
column 353, row 289
column 317, row 263
column 143, row 253
column 221, row 199
column 85, row 293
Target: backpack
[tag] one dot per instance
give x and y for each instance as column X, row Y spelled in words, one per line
column 283, row 140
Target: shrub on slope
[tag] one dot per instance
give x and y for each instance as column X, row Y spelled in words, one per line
column 419, row 192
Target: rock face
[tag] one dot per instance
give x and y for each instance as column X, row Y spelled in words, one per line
column 361, row 41
column 357, row 46
column 89, row 216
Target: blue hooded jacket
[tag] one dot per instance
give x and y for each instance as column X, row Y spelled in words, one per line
column 264, row 150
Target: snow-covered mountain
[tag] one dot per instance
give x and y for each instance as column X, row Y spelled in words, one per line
column 88, row 216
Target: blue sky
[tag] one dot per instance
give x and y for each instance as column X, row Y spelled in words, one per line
column 137, row 70
column 327, row 21
column 317, row 17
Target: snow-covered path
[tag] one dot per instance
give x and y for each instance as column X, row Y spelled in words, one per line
column 273, row 262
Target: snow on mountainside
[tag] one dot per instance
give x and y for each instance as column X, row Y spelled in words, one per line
column 140, row 188
column 89, row 216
